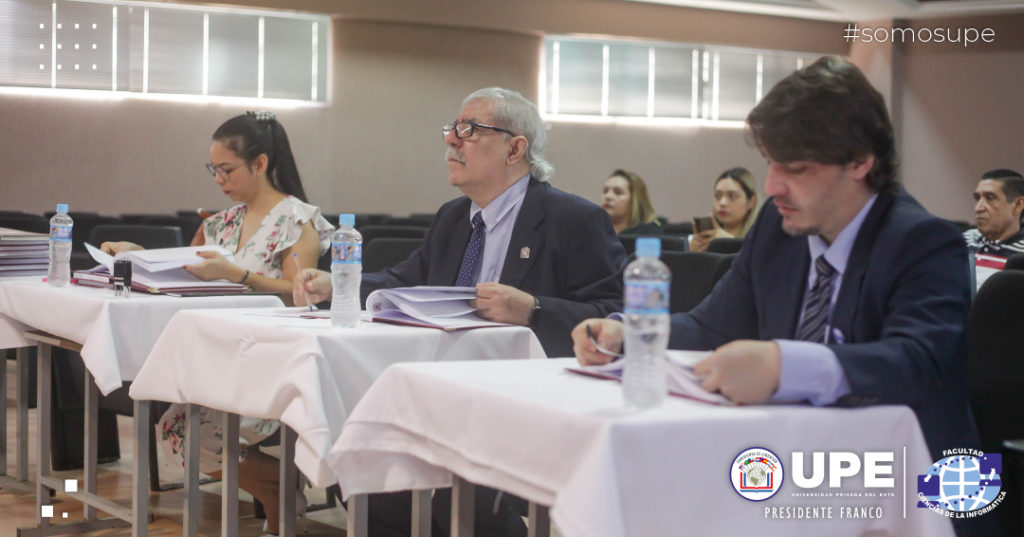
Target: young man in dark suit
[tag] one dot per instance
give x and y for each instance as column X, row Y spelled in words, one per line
column 539, row 257
column 846, row 291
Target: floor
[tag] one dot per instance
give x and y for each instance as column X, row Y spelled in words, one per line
column 114, row 483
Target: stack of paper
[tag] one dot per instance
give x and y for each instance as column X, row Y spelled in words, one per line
column 159, row 271
column 446, row 308
column 682, row 381
column 23, row 253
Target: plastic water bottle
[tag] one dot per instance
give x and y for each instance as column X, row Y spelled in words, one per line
column 59, row 273
column 346, row 272
column 646, row 326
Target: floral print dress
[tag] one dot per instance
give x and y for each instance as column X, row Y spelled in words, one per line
column 280, row 229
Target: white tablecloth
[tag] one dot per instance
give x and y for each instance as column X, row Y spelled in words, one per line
column 566, row 441
column 116, row 334
column 301, row 371
column 11, row 330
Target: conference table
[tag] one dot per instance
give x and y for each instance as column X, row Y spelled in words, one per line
column 114, row 337
column 567, row 441
column 301, row 371
column 12, row 337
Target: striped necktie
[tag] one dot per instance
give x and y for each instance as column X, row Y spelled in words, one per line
column 817, row 303
column 474, row 253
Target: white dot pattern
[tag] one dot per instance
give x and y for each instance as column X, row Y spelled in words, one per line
column 474, row 251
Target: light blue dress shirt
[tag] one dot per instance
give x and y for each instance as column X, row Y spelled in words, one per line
column 811, row 371
column 499, row 218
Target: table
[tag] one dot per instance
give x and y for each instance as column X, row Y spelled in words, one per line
column 566, row 441
column 11, row 337
column 114, row 337
column 302, row 371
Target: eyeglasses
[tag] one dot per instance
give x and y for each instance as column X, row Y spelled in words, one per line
column 214, row 170
column 465, row 129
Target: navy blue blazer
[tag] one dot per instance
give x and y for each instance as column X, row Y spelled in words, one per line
column 573, row 264
column 902, row 309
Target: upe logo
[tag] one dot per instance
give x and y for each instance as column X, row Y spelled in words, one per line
column 962, row 485
column 756, row 474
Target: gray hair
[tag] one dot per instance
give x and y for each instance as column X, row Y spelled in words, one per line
column 514, row 112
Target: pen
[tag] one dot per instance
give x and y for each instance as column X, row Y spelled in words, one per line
column 602, row 350
column 305, row 291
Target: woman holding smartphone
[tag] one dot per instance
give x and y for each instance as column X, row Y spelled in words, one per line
column 735, row 209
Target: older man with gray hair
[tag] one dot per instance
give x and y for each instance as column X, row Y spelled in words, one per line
column 538, row 257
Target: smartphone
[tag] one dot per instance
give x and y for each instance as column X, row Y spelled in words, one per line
column 702, row 223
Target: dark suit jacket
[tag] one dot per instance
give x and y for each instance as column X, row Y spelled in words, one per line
column 902, row 308
column 573, row 262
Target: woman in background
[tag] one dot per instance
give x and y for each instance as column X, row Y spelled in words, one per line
column 252, row 163
column 626, row 200
column 735, row 209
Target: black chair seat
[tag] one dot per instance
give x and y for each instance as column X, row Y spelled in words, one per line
column 370, row 233
column 996, row 367
column 725, row 246
column 681, row 229
column 149, row 237
column 668, row 244
column 723, row 266
column 385, row 253
column 692, row 277
column 1015, row 262
column 25, row 222
column 188, row 224
column 409, row 222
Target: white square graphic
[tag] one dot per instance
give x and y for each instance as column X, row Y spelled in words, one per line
column 65, row 514
column 70, row 485
column 47, row 511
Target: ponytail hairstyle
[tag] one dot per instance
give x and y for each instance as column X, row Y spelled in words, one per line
column 259, row 133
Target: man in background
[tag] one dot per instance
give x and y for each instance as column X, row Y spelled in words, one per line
column 998, row 205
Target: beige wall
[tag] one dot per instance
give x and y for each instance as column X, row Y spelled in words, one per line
column 376, row 148
column 962, row 112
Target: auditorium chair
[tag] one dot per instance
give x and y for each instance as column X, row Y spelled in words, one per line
column 668, row 244
column 408, row 222
column 995, row 370
column 149, row 237
column 188, row 224
column 370, row 233
column 721, row 267
column 386, row 252
column 25, row 222
column 725, row 246
column 692, row 278
column 1015, row 262
column 681, row 229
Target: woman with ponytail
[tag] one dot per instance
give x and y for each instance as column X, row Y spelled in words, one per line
column 252, row 163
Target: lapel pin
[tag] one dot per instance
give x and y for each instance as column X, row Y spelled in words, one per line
column 524, row 253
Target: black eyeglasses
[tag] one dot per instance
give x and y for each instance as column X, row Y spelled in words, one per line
column 214, row 170
column 465, row 129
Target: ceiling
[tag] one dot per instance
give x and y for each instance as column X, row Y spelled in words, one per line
column 856, row 10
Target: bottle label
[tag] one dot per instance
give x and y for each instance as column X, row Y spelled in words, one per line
column 346, row 254
column 60, row 233
column 647, row 298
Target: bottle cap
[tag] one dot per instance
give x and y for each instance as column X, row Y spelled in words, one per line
column 346, row 219
column 62, row 207
column 648, row 247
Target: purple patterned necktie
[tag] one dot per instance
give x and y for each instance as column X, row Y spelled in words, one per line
column 816, row 306
column 474, row 253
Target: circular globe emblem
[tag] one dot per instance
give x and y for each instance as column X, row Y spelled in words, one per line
column 961, row 483
column 756, row 474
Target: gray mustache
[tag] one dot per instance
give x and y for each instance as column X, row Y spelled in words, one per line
column 453, row 154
